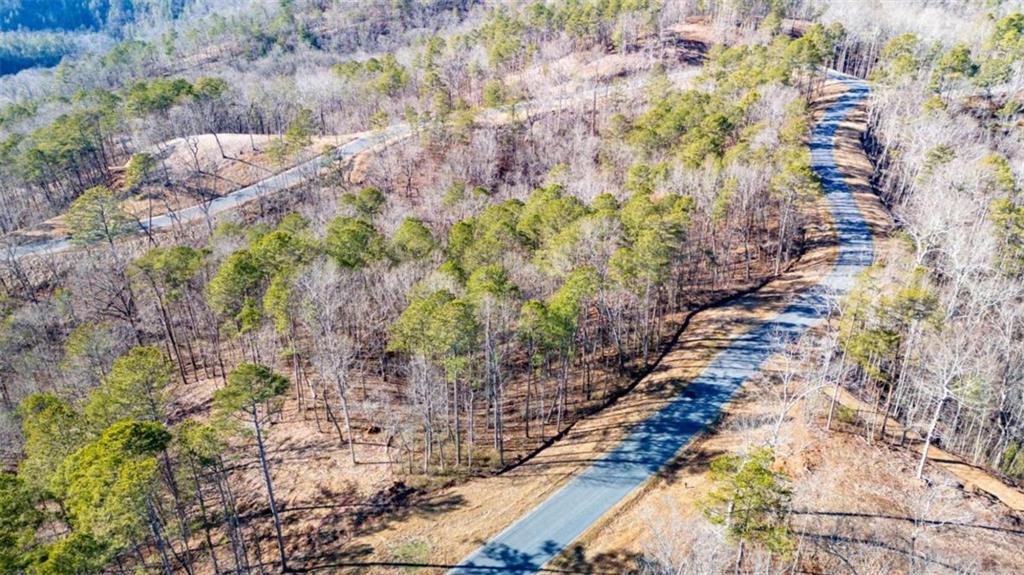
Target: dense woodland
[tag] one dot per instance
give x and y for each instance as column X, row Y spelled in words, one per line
column 466, row 293
column 933, row 335
column 39, row 33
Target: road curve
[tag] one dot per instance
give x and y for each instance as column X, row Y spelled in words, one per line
column 535, row 539
column 278, row 182
column 309, row 169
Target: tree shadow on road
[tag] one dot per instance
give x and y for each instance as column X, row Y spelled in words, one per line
column 331, row 539
column 575, row 560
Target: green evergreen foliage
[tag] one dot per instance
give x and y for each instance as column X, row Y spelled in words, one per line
column 494, row 93
column 156, row 96
column 643, row 265
column 300, row 131
column 367, row 203
column 547, row 211
column 794, row 176
column 389, row 76
column 248, row 386
column 486, row 238
column 202, row 442
column 382, row 76
column 503, row 37
column 108, row 485
column 1008, row 220
column 281, row 252
column 297, row 136
column 993, row 72
column 605, row 205
column 655, row 231
column 709, row 127
column 1012, row 462
column 901, row 57
column 14, row 113
column 235, row 286
column 583, row 20
column 751, row 500
column 566, row 304
column 1007, row 38
column 294, row 224
column 170, row 268
column 137, row 169
column 438, row 326
column 668, row 119
column 52, row 430
column 135, row 388
column 1000, row 179
column 353, row 242
column 71, row 140
column 551, row 325
column 955, row 64
column 276, row 302
column 78, row 554
column 490, row 281
column 412, row 240
column 97, row 216
column 876, row 320
column 20, row 518
column 256, row 282
column 208, row 88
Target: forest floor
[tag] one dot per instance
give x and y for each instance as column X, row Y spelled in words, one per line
column 195, row 168
column 190, row 171
column 845, row 486
column 487, row 505
column 973, row 477
column 332, row 508
column 199, row 168
column 833, row 471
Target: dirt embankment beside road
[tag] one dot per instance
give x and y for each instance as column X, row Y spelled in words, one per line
column 839, row 480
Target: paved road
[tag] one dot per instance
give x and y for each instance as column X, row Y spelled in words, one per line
column 309, row 169
column 532, row 541
column 276, row 183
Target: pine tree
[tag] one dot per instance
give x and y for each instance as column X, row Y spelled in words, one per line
column 751, row 500
column 250, row 387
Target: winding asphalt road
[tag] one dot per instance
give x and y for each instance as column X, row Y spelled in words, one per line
column 535, row 539
column 278, row 182
column 309, row 169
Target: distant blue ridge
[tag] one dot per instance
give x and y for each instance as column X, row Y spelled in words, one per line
column 538, row 537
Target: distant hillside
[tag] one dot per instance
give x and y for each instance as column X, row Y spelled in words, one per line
column 82, row 14
column 41, row 32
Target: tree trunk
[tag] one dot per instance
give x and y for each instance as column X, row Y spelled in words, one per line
column 348, row 425
column 931, row 431
column 265, row 468
column 455, row 411
column 154, row 528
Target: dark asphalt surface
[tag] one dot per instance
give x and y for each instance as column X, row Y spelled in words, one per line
column 531, row 542
column 276, row 183
column 309, row 169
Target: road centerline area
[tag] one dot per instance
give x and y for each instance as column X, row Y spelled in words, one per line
column 531, row 542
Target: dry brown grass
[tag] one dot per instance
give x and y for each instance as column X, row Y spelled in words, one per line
column 182, row 179
column 973, row 478
column 819, row 462
column 844, row 486
column 487, row 505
